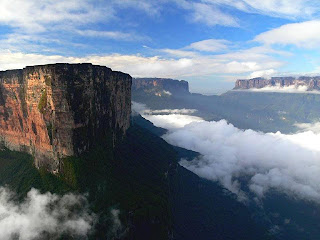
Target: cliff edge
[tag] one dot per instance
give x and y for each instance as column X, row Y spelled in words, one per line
column 60, row 110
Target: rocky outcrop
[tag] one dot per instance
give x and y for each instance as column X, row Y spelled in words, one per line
column 59, row 110
column 160, row 86
column 311, row 83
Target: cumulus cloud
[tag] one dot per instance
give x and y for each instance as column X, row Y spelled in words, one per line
column 286, row 163
column 303, row 34
column 156, row 66
column 43, row 216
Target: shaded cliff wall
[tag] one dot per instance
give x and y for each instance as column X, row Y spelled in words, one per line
column 312, row 83
column 59, row 110
column 160, row 84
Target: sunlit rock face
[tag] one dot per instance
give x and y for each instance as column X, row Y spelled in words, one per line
column 59, row 110
column 310, row 83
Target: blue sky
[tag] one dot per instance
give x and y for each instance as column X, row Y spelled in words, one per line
column 210, row 43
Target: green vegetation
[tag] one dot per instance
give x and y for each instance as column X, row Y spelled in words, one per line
column 17, row 171
column 131, row 178
column 47, row 80
column 50, row 129
column 43, row 101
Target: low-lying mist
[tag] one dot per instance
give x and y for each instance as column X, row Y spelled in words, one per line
column 288, row 163
column 166, row 118
column 43, row 216
column 285, row 89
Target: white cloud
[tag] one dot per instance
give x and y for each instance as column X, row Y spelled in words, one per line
column 208, row 14
column 138, row 107
column 172, row 121
column 304, row 34
column 166, row 118
column 118, row 231
column 167, row 92
column 37, row 16
column 211, row 16
column 285, row 89
column 313, row 127
column 210, row 45
column 42, row 214
column 179, row 52
column 140, row 66
column 151, row 7
column 264, row 73
column 170, row 111
column 275, row 8
column 287, row 163
column 111, row 35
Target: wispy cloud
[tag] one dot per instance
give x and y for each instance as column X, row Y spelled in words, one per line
column 210, row 45
column 38, row 16
column 112, row 35
column 277, row 8
column 207, row 13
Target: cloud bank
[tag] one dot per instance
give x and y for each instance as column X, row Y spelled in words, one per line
column 313, row 127
column 43, row 216
column 288, row 89
column 273, row 161
column 166, row 118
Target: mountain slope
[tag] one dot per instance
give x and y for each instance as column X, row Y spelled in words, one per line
column 132, row 178
column 203, row 209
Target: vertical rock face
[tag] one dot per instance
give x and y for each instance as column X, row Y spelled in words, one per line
column 312, row 83
column 59, row 110
column 159, row 85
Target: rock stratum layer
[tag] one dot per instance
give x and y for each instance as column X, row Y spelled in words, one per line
column 311, row 83
column 60, row 110
column 160, row 86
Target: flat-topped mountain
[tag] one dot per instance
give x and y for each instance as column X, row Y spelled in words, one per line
column 160, row 86
column 59, row 110
column 311, row 83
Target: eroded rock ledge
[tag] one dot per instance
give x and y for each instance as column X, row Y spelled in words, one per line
column 59, row 110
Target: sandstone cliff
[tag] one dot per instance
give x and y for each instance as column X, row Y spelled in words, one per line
column 311, row 83
column 160, row 86
column 59, row 110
